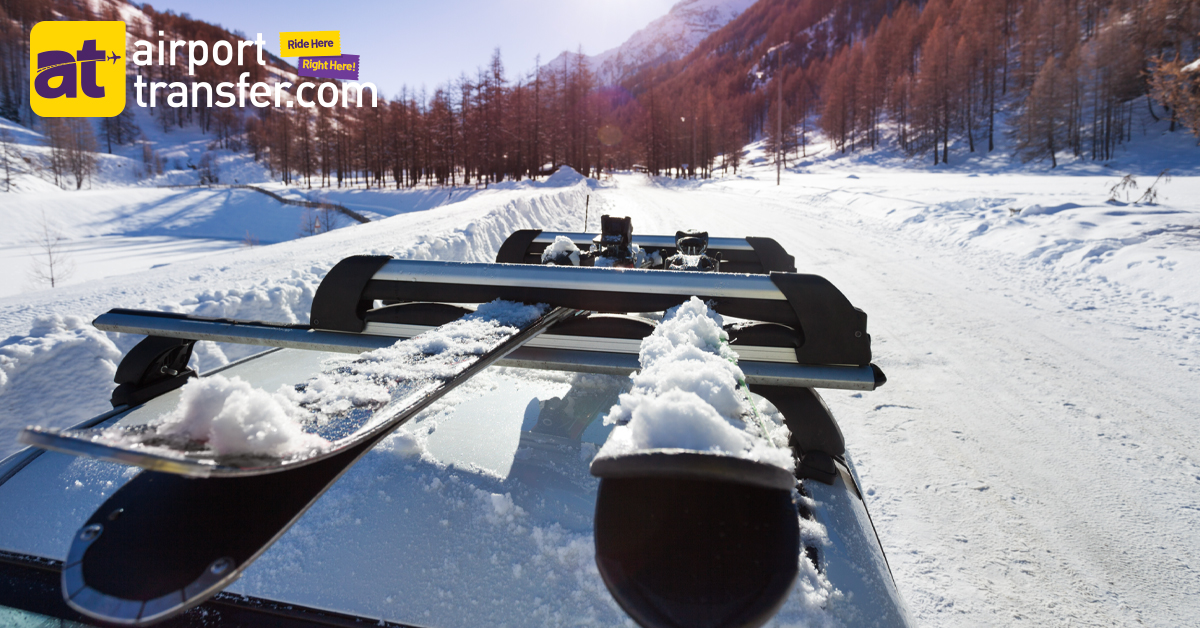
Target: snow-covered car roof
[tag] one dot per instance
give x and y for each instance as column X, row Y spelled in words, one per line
column 478, row 512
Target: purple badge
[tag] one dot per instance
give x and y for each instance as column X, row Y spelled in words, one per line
column 339, row 67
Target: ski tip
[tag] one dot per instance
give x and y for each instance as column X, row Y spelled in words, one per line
column 686, row 552
column 83, row 443
column 134, row 608
column 36, row 436
column 695, row 465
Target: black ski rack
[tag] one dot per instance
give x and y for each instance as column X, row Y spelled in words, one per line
column 825, row 328
column 783, row 360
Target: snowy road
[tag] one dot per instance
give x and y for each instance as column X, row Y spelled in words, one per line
column 1026, row 464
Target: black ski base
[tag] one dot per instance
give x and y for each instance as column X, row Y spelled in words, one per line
column 694, row 553
column 164, row 542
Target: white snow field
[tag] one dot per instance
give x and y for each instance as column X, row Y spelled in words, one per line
column 117, row 231
column 1033, row 459
column 123, row 221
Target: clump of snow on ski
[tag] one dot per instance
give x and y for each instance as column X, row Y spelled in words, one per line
column 392, row 375
column 562, row 247
column 234, row 418
column 689, row 395
column 224, row 417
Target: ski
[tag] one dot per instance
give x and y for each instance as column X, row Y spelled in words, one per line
column 165, row 542
column 217, row 429
column 695, row 523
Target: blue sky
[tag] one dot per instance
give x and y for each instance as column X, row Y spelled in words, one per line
column 427, row 43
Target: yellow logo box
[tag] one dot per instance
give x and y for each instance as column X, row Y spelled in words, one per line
column 77, row 69
column 310, row 44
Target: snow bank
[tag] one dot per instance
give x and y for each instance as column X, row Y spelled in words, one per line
column 235, row 418
column 482, row 236
column 281, row 300
column 1096, row 253
column 687, row 396
column 61, row 372
column 565, row 176
column 270, row 283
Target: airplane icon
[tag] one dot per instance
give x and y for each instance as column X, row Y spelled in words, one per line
column 113, row 57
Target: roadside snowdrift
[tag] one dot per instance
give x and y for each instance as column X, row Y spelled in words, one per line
column 272, row 283
column 62, row 364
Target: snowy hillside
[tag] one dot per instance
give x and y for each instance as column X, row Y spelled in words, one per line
column 668, row 38
column 126, row 220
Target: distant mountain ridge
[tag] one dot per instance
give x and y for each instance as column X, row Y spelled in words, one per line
column 668, row 38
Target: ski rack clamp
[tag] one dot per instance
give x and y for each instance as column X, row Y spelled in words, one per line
column 338, row 304
column 154, row 366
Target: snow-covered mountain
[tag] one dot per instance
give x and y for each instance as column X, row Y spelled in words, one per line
column 668, row 38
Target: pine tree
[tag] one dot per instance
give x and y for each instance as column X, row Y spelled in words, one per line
column 8, row 153
column 1178, row 87
column 72, row 146
column 1040, row 126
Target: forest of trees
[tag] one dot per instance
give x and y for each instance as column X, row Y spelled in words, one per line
column 1043, row 78
column 938, row 76
column 1065, row 74
column 479, row 130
